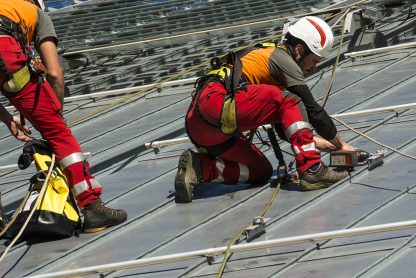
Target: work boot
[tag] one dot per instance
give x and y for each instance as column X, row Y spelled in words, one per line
column 322, row 177
column 188, row 176
column 97, row 217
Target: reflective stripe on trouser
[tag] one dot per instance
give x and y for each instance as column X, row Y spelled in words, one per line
column 242, row 171
column 39, row 105
column 242, row 163
column 78, row 173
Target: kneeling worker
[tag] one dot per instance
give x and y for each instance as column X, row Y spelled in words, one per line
column 224, row 106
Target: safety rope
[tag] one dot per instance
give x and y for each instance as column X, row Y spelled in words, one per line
column 175, row 76
column 222, row 30
column 122, row 100
column 42, row 191
column 331, row 81
column 373, row 140
column 238, row 235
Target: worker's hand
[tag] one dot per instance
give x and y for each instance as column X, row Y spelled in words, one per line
column 347, row 147
column 340, row 145
column 21, row 132
column 323, row 145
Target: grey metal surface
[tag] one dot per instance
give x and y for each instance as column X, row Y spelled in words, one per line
column 141, row 182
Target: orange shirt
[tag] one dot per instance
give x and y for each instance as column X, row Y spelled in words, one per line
column 272, row 66
column 22, row 12
column 256, row 66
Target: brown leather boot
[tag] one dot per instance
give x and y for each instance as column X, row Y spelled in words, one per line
column 323, row 177
column 188, row 176
column 97, row 217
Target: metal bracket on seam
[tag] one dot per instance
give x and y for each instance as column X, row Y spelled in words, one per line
column 257, row 229
column 210, row 260
column 375, row 159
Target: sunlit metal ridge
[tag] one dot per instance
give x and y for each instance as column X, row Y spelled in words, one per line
column 395, row 108
column 210, row 252
column 380, row 50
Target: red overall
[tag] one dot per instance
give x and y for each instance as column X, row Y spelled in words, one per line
column 258, row 105
column 39, row 104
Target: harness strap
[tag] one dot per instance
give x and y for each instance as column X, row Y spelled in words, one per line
column 17, row 80
column 9, row 78
column 8, row 27
column 228, row 71
column 276, row 147
column 219, row 149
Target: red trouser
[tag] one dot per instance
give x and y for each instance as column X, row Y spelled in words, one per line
column 39, row 104
column 258, row 105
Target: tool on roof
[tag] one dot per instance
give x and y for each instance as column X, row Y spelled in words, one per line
column 350, row 159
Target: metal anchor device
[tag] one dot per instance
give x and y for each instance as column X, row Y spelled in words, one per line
column 257, row 229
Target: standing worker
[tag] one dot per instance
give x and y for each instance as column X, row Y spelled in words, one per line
column 37, row 92
column 246, row 90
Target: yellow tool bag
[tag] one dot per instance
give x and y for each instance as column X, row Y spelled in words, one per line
column 57, row 214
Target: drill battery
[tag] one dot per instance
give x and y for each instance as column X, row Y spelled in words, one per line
column 347, row 159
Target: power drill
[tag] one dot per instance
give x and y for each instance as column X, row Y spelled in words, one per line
column 347, row 159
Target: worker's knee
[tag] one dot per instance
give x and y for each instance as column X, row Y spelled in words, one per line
column 261, row 173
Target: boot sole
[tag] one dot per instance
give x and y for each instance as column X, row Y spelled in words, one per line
column 95, row 230
column 306, row 186
column 182, row 193
column 99, row 229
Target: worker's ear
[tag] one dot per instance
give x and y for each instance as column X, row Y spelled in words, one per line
column 299, row 50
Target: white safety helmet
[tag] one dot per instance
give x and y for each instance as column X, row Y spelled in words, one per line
column 315, row 33
column 38, row 3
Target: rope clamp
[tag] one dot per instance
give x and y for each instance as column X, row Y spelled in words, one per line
column 257, row 229
column 282, row 172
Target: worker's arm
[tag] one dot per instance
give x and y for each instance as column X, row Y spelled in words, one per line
column 318, row 117
column 321, row 121
column 46, row 43
column 55, row 76
column 14, row 125
column 335, row 144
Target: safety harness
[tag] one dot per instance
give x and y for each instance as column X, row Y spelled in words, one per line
column 17, row 80
column 228, row 71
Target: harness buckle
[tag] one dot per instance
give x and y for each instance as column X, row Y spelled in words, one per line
column 38, row 69
column 221, row 72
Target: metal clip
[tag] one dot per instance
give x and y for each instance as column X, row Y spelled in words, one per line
column 375, row 159
column 257, row 229
column 44, row 173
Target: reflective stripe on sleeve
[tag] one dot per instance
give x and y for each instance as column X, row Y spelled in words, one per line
column 295, row 127
column 309, row 147
column 305, row 148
